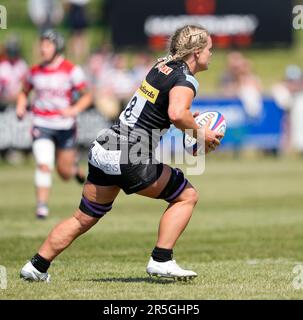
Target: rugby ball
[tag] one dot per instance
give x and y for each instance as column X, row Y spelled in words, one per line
column 217, row 123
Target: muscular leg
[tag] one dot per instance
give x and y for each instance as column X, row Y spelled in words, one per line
column 176, row 218
column 67, row 231
column 178, row 213
column 172, row 223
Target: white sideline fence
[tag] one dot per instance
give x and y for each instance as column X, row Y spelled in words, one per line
column 16, row 134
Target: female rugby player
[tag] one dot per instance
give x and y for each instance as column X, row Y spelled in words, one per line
column 54, row 83
column 164, row 97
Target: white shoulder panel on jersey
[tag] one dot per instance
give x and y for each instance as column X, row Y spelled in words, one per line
column 193, row 81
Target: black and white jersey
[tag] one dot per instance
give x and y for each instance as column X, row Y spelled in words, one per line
column 146, row 114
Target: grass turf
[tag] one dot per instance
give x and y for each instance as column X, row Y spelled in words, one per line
column 244, row 238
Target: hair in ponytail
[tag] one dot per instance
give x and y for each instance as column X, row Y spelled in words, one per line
column 183, row 42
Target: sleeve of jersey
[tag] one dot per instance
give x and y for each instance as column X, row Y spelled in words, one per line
column 78, row 79
column 27, row 83
column 186, row 80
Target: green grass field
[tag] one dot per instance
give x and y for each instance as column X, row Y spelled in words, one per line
column 244, row 239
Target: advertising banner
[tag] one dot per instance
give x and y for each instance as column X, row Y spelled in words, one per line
column 232, row 23
column 263, row 132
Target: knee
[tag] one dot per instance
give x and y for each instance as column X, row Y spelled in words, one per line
column 191, row 196
column 85, row 222
column 44, row 168
column 44, row 152
column 64, row 173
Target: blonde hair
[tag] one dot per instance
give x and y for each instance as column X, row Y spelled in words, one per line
column 183, row 42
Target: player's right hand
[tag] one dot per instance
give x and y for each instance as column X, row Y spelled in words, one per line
column 211, row 138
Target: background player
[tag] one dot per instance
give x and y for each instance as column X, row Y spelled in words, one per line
column 56, row 83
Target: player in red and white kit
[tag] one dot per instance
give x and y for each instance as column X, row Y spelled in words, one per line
column 55, row 82
column 13, row 70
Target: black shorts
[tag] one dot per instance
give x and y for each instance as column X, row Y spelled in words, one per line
column 130, row 177
column 63, row 139
column 133, row 178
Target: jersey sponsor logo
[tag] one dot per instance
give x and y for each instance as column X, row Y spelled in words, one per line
column 49, row 93
column 166, row 70
column 106, row 160
column 148, row 92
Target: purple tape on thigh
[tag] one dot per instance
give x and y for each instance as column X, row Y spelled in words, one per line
column 178, row 191
column 95, row 207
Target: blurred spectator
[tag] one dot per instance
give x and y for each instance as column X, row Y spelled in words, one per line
column 142, row 62
column 120, row 79
column 289, row 96
column 284, row 91
column 239, row 81
column 98, row 65
column 77, row 22
column 45, row 14
column 114, row 77
column 13, row 70
column 99, row 62
column 113, row 82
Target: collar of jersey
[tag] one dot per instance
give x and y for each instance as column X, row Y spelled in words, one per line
column 182, row 63
column 54, row 66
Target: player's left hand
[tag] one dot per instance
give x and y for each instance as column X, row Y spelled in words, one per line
column 69, row 112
